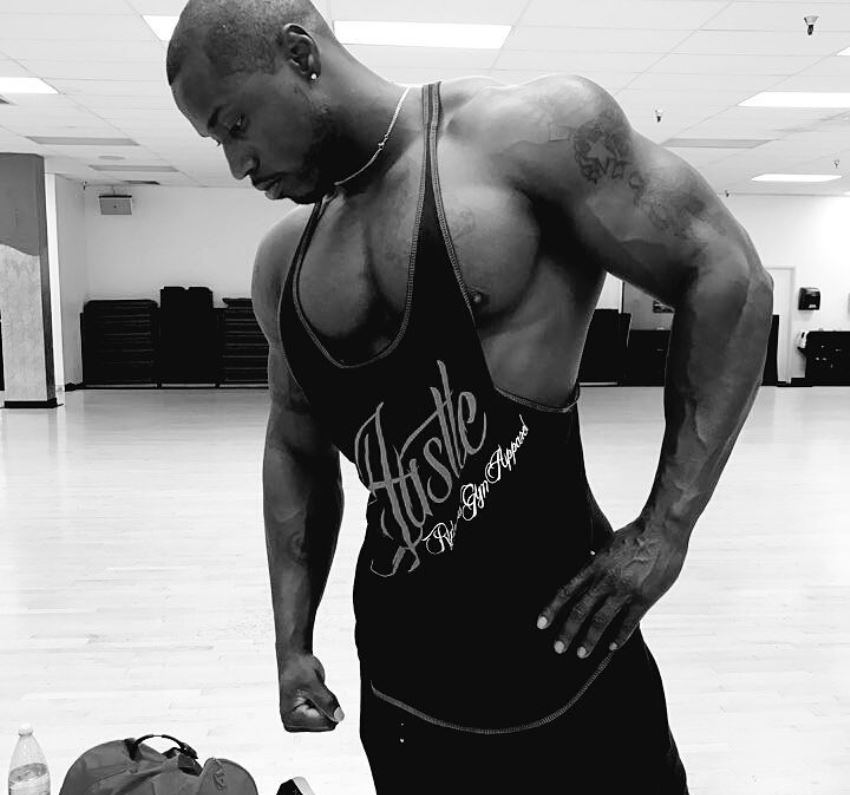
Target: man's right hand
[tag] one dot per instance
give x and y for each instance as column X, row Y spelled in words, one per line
column 306, row 705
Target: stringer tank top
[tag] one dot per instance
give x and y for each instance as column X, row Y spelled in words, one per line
column 479, row 507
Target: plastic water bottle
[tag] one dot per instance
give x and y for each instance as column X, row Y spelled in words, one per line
column 28, row 773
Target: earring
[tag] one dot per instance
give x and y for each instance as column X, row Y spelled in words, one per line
column 313, row 76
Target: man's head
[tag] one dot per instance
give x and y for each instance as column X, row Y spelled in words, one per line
column 241, row 72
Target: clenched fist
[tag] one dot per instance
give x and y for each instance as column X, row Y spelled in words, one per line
column 306, row 704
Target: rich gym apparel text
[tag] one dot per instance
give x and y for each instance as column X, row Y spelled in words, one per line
column 479, row 506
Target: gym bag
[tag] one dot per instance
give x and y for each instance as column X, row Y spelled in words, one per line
column 127, row 767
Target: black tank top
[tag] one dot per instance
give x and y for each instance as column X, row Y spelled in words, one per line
column 479, row 508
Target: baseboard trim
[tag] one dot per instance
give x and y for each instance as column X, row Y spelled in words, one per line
column 31, row 404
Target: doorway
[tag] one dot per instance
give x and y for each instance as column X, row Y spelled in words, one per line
column 783, row 287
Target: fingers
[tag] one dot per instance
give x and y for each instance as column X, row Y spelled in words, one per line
column 588, row 621
column 581, row 581
column 313, row 711
column 629, row 622
column 306, row 718
column 326, row 703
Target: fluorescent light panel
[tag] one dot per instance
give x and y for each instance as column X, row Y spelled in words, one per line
column 58, row 140
column 100, row 167
column 798, row 99
column 163, row 26
column 716, row 143
column 422, row 34
column 796, row 178
column 25, row 85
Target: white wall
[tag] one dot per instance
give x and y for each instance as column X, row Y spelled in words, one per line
column 812, row 236
column 177, row 237
column 188, row 236
column 73, row 276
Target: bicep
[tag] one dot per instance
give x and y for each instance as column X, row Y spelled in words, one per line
column 631, row 206
column 293, row 426
column 654, row 221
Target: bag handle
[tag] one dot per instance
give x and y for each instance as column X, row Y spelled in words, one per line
column 133, row 745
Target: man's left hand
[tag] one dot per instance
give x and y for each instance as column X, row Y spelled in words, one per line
column 614, row 590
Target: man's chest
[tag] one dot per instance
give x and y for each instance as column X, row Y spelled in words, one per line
column 354, row 277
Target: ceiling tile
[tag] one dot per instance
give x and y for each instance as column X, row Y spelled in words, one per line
column 377, row 57
column 781, row 16
column 685, row 99
column 81, row 50
column 837, row 66
column 147, row 88
column 174, row 7
column 492, row 12
column 117, row 27
column 611, row 81
column 11, row 69
column 46, row 7
column 98, row 70
column 701, row 157
column 592, row 39
column 703, row 82
column 744, row 42
column 576, row 63
column 782, row 65
column 158, row 7
column 645, row 14
column 420, row 76
column 124, row 102
column 809, row 82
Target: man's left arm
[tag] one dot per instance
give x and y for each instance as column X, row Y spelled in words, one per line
column 645, row 215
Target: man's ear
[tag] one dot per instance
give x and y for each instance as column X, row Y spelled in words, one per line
column 299, row 50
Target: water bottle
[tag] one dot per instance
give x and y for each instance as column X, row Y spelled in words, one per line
column 28, row 773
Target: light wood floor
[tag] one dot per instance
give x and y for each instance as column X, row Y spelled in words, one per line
column 134, row 594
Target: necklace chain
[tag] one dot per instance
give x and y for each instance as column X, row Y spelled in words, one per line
column 380, row 145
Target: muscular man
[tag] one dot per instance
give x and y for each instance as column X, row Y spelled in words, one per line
column 426, row 318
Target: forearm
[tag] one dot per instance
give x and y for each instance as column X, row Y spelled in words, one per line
column 714, row 368
column 302, row 510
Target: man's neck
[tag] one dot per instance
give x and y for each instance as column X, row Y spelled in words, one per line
column 369, row 106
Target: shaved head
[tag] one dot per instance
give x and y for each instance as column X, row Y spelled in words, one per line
column 239, row 35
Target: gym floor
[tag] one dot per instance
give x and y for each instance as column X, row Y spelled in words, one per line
column 134, row 592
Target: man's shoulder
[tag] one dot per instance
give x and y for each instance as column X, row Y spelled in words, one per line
column 525, row 130
column 271, row 264
column 498, row 114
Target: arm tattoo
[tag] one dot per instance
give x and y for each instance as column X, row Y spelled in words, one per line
column 603, row 150
column 296, row 546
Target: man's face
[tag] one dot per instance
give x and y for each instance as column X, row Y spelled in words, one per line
column 269, row 126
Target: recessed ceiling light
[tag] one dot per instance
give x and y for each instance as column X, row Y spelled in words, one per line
column 798, row 99
column 796, row 177
column 25, row 85
column 422, row 34
column 161, row 25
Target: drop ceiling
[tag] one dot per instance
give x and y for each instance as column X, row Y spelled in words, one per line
column 696, row 60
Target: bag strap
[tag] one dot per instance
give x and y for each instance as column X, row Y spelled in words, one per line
column 133, row 745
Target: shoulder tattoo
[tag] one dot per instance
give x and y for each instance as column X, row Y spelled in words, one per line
column 603, row 151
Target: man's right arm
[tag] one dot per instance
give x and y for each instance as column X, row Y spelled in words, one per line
column 302, row 502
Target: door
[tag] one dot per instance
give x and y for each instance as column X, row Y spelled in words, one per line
column 783, row 285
